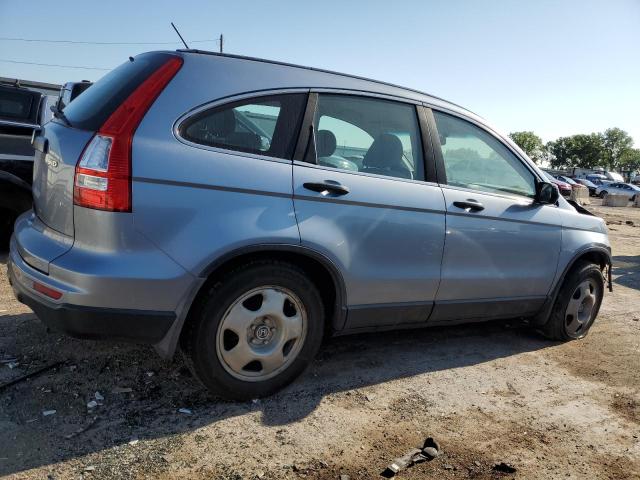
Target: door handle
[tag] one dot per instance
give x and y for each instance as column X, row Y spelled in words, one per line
column 470, row 205
column 327, row 187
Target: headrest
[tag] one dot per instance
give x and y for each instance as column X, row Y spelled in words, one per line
column 325, row 143
column 385, row 152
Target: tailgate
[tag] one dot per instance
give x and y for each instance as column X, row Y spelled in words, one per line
column 58, row 149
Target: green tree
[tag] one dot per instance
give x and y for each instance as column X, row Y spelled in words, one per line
column 615, row 143
column 581, row 150
column 531, row 144
column 630, row 160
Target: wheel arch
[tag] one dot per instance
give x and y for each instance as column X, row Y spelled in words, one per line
column 598, row 254
column 320, row 269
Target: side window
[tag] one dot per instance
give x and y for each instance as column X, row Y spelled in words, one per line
column 263, row 125
column 368, row 135
column 475, row 159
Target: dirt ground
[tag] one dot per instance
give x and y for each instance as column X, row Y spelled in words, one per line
column 488, row 393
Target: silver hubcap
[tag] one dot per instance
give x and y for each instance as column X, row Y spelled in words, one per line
column 580, row 309
column 261, row 333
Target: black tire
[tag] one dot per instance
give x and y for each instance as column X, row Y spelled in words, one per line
column 603, row 194
column 556, row 327
column 200, row 339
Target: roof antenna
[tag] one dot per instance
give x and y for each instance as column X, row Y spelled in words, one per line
column 185, row 43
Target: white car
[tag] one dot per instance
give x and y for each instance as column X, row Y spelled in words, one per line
column 618, row 188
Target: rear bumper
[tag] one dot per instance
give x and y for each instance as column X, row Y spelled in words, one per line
column 80, row 321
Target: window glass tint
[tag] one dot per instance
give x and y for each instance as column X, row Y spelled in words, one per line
column 368, row 135
column 16, row 105
column 90, row 110
column 475, row 159
column 263, row 125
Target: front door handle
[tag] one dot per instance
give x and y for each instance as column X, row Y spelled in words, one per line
column 470, row 205
column 327, row 187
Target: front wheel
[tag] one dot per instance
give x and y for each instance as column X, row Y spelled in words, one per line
column 255, row 331
column 577, row 304
column 603, row 194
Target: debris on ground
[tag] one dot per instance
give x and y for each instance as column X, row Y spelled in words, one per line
column 92, row 404
column 81, row 430
column 99, row 397
column 117, row 390
column 503, row 467
column 89, row 468
column 12, row 365
column 46, row 413
column 430, row 450
column 186, row 411
column 133, row 441
column 29, row 375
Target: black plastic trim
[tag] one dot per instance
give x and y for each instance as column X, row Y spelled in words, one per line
column 459, row 311
column 302, row 145
column 441, row 174
column 388, row 315
column 545, row 311
column 138, row 326
column 428, row 151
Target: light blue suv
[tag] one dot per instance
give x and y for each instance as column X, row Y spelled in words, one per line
column 242, row 209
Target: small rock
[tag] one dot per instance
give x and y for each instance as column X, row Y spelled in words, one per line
column 46, row 413
column 477, row 463
column 370, row 397
column 99, row 396
column 430, row 452
column 89, row 468
column 92, row 404
column 150, row 374
column 504, row 468
column 186, row 411
column 260, row 474
column 446, row 466
column 133, row 441
column 12, row 365
column 345, row 477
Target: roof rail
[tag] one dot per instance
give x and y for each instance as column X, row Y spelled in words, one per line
column 315, row 69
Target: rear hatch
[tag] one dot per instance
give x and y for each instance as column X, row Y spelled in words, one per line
column 63, row 140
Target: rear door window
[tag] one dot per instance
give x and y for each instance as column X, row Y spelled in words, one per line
column 265, row 125
column 368, row 135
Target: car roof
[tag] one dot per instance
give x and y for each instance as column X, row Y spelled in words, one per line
column 375, row 86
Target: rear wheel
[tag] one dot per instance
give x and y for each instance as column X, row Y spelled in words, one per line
column 577, row 304
column 255, row 331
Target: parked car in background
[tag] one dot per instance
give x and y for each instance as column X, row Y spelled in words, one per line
column 626, row 189
column 70, row 91
column 564, row 187
column 22, row 110
column 161, row 216
column 590, row 185
column 588, row 172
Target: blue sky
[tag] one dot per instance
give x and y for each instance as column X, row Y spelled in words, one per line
column 554, row 67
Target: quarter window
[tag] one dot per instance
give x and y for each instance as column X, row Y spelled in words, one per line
column 475, row 159
column 368, row 135
column 264, row 125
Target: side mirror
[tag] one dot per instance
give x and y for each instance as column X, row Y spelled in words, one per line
column 546, row 193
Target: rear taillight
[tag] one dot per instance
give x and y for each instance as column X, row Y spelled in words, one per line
column 103, row 173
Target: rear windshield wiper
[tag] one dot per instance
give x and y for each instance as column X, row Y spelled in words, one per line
column 60, row 114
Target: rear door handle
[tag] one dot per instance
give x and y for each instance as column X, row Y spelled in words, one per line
column 470, row 205
column 327, row 187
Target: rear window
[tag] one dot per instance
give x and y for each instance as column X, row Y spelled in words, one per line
column 90, row 110
column 18, row 105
